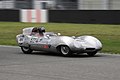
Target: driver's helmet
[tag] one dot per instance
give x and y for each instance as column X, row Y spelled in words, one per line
column 35, row 29
column 41, row 30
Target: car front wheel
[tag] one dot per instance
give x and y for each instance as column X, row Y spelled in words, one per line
column 65, row 51
column 26, row 50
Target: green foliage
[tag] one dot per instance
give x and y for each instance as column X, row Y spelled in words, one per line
column 109, row 35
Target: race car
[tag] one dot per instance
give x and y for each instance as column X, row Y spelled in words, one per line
column 37, row 39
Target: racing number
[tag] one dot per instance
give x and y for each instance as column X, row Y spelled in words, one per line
column 34, row 40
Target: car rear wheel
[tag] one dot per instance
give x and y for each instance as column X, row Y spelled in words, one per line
column 91, row 54
column 65, row 51
column 26, row 50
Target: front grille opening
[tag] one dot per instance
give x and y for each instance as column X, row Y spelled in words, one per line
column 90, row 48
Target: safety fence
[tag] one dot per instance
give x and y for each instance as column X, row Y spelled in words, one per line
column 61, row 16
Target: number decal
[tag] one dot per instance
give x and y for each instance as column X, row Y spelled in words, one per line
column 34, row 40
column 20, row 40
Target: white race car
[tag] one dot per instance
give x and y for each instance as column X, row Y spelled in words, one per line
column 36, row 39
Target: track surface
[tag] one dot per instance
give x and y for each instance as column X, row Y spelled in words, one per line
column 47, row 66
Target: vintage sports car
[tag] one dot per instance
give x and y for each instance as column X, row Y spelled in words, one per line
column 36, row 39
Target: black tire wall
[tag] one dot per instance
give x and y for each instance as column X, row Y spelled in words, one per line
column 85, row 16
column 69, row 16
column 9, row 15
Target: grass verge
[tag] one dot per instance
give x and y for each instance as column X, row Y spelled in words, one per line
column 109, row 35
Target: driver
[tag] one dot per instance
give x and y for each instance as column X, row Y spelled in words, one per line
column 38, row 31
column 41, row 31
column 34, row 31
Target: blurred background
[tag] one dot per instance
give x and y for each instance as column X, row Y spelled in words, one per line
column 61, row 4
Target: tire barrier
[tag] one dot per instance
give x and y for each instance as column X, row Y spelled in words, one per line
column 9, row 15
column 85, row 16
column 61, row 16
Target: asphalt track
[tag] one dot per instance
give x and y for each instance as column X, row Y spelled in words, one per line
column 14, row 65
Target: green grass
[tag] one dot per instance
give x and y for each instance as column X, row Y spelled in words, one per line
column 109, row 35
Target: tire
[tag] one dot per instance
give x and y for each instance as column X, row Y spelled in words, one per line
column 65, row 51
column 26, row 50
column 91, row 54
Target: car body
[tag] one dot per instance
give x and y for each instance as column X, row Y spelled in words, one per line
column 52, row 42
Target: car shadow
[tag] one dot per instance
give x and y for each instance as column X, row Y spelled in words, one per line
column 58, row 55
